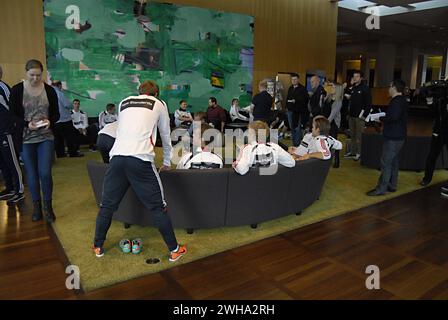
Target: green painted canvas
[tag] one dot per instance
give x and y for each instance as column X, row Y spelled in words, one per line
column 102, row 50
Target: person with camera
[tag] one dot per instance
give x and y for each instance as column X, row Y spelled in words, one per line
column 437, row 101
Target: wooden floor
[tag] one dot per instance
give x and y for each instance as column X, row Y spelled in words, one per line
column 407, row 238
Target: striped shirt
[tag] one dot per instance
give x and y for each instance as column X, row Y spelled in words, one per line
column 5, row 93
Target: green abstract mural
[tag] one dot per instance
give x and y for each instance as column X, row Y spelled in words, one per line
column 103, row 49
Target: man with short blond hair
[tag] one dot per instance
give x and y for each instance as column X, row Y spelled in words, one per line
column 262, row 103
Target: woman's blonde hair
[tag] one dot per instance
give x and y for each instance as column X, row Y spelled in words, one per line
column 338, row 92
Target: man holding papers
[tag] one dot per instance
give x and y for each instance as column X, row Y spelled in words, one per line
column 394, row 133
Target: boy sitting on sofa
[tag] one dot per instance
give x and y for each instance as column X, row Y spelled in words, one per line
column 316, row 144
column 259, row 153
column 202, row 157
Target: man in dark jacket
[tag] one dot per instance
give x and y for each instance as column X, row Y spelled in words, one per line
column 9, row 163
column 359, row 107
column 394, row 134
column 297, row 109
column 262, row 103
column 317, row 96
column 439, row 108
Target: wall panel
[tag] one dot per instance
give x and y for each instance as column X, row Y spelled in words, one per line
column 290, row 35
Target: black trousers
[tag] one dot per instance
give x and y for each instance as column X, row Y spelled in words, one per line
column 437, row 144
column 104, row 143
column 334, row 133
column 142, row 176
column 64, row 135
column 80, row 138
column 9, row 165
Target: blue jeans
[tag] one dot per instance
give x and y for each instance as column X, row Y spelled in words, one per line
column 37, row 158
column 294, row 124
column 390, row 163
column 142, row 176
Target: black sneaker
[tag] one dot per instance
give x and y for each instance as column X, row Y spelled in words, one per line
column 444, row 194
column 16, row 198
column 6, row 195
column 77, row 155
column 444, row 189
column 390, row 189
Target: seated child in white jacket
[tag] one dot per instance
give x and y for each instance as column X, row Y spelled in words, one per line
column 259, row 153
column 318, row 143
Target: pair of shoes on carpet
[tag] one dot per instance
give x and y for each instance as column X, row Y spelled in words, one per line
column 175, row 255
column 134, row 246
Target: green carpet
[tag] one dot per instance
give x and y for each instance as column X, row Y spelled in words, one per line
column 76, row 210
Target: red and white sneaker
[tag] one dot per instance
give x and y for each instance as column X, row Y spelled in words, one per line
column 99, row 251
column 175, row 255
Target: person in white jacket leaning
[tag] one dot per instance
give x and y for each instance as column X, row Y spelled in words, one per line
column 132, row 164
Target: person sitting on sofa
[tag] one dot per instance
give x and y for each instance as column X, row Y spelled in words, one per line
column 107, row 116
column 237, row 114
column 83, row 133
column 259, row 153
column 318, row 143
column 202, row 157
column 182, row 117
column 198, row 116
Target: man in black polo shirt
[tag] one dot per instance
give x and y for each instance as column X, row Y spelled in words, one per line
column 359, row 107
column 394, row 133
column 262, row 103
column 297, row 108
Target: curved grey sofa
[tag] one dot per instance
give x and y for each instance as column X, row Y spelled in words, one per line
column 199, row 199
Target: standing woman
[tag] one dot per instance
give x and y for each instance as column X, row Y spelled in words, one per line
column 332, row 111
column 35, row 105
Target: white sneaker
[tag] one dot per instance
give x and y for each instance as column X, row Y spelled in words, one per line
column 357, row 157
column 349, row 156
